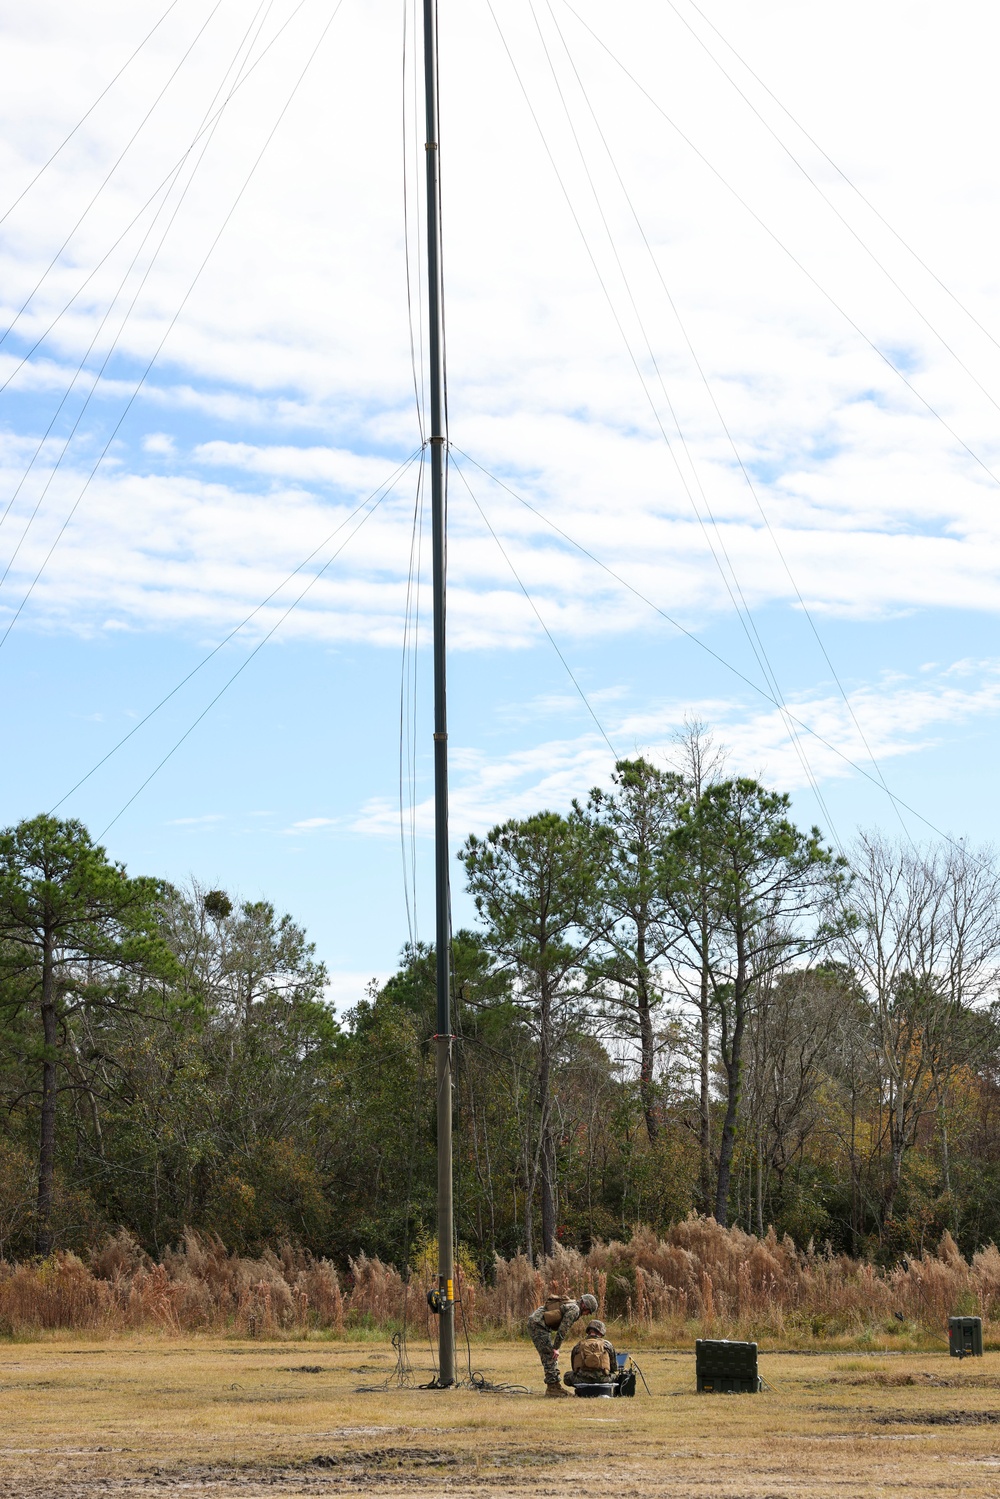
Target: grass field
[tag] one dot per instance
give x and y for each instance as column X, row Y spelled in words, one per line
column 149, row 1417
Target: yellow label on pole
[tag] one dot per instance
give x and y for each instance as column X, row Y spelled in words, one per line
column 451, row 1290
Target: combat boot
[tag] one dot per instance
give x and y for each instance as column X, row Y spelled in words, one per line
column 556, row 1392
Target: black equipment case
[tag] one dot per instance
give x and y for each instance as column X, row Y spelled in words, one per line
column 726, row 1368
column 965, row 1337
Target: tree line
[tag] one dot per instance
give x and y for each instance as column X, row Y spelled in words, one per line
column 674, row 1000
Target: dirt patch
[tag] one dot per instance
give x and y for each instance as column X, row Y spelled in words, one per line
column 935, row 1418
column 879, row 1381
column 921, row 1379
column 386, row 1456
column 386, row 1470
column 258, row 1397
column 379, row 1460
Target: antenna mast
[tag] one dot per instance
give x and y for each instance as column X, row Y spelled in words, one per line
column 439, row 461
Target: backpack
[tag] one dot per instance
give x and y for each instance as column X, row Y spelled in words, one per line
column 594, row 1357
column 553, row 1313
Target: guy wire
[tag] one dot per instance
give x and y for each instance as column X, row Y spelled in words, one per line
column 406, row 236
column 152, row 197
column 172, row 323
column 244, row 664
column 835, row 210
column 402, row 1375
column 742, row 606
column 551, row 639
column 416, row 162
column 827, row 296
column 128, row 313
column 387, row 485
column 850, row 183
column 118, row 160
column 408, row 710
column 723, row 423
column 690, row 635
column 409, row 667
column 476, row 1380
column 404, row 1371
column 746, row 621
column 85, row 117
column 415, row 694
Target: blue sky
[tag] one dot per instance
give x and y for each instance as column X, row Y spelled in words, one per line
column 610, row 303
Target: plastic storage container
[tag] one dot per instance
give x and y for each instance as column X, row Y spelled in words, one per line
column 965, row 1337
column 726, row 1368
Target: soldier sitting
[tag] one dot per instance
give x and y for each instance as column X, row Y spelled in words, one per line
column 548, row 1326
column 593, row 1360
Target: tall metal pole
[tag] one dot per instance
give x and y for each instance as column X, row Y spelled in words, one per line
column 439, row 459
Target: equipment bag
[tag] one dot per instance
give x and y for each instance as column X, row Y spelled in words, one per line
column 593, row 1357
column 553, row 1314
column 625, row 1382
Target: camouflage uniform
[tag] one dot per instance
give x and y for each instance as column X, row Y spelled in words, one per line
column 575, row 1376
column 548, row 1339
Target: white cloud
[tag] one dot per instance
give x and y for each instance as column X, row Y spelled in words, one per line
column 347, row 988
column 299, row 322
column 879, row 722
column 340, row 467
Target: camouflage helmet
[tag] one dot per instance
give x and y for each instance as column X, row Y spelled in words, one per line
column 597, row 1327
column 588, row 1303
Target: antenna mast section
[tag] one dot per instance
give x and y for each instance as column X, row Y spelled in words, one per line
column 442, row 944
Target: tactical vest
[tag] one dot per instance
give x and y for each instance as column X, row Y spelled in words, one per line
column 553, row 1313
column 592, row 1357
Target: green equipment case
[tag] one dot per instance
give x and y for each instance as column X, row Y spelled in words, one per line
column 965, row 1337
column 726, row 1368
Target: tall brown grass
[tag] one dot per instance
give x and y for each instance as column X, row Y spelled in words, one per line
column 698, row 1278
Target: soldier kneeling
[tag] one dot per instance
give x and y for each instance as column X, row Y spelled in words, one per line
column 593, row 1360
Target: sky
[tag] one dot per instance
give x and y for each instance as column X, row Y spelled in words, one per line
column 723, row 315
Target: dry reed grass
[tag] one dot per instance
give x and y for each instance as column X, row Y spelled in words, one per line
column 697, row 1279
column 196, row 1288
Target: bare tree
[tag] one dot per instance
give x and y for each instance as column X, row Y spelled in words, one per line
column 765, row 888
column 792, row 1040
column 700, row 762
column 922, row 936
